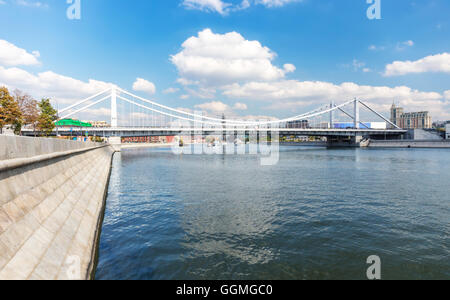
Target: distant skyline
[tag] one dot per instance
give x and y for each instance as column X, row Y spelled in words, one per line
column 241, row 58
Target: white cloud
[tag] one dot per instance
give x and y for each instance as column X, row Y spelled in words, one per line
column 289, row 68
column 376, row 48
column 215, row 59
column 240, row 106
column 358, row 65
column 11, row 55
column 229, row 64
column 224, row 7
column 324, row 91
column 202, row 93
column 171, row 90
column 447, row 95
column 291, row 94
column 275, row 3
column 218, row 107
column 403, row 45
column 433, row 63
column 207, row 5
column 62, row 88
column 399, row 46
column 142, row 85
column 214, row 107
column 27, row 3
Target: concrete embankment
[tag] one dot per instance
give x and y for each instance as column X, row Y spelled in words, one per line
column 144, row 145
column 52, row 195
column 410, row 144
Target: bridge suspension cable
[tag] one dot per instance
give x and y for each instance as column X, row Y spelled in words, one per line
column 209, row 118
column 172, row 113
column 220, row 122
column 83, row 101
column 85, row 107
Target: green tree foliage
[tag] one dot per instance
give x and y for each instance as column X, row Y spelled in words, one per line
column 10, row 113
column 47, row 118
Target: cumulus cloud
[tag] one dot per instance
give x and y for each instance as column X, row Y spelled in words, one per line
column 11, row 55
column 293, row 89
column 275, row 3
column 225, row 7
column 447, row 95
column 62, row 88
column 289, row 68
column 171, row 90
column 376, row 48
column 239, row 69
column 291, row 94
column 215, row 59
column 214, row 107
column 207, row 5
column 433, row 63
column 357, row 65
column 403, row 45
column 240, row 106
column 142, row 85
column 218, row 107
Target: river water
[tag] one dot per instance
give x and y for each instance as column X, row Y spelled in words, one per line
column 317, row 214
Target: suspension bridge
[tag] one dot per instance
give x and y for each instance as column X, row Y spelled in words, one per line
column 133, row 116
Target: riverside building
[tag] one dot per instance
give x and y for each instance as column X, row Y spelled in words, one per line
column 413, row 120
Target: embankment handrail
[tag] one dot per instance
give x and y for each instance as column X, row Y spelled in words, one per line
column 11, row 164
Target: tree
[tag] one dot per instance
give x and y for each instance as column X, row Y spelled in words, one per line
column 10, row 113
column 29, row 108
column 47, row 118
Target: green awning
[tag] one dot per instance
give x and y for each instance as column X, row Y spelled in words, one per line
column 72, row 123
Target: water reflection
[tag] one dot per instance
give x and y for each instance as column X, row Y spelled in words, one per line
column 317, row 214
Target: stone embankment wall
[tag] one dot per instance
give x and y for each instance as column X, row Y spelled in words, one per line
column 410, row 144
column 52, row 195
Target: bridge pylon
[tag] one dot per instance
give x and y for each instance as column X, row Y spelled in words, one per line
column 332, row 114
column 356, row 119
column 114, row 120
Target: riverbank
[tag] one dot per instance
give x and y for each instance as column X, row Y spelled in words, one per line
column 145, row 145
column 435, row 144
column 52, row 198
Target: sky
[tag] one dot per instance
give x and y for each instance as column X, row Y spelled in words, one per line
column 239, row 57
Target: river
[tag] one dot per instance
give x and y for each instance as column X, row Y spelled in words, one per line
column 316, row 214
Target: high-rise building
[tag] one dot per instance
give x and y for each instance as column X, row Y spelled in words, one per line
column 396, row 113
column 413, row 120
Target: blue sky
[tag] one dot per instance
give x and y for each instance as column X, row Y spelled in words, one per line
column 260, row 57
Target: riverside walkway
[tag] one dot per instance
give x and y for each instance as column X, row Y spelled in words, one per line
column 52, row 195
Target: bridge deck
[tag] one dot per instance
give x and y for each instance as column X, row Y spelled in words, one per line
column 140, row 131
